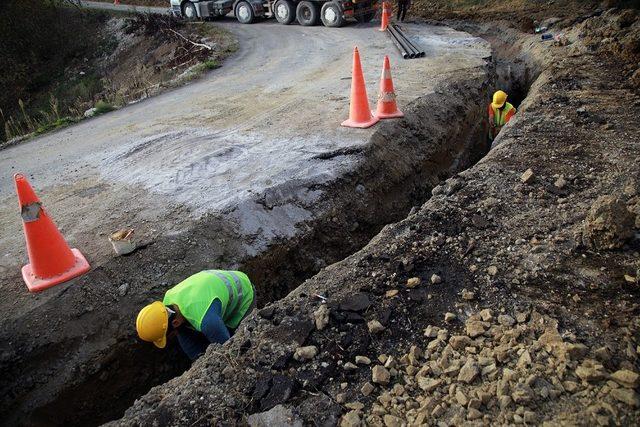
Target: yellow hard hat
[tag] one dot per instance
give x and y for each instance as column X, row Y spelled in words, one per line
column 152, row 324
column 499, row 98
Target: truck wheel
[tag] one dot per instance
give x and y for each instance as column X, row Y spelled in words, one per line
column 189, row 11
column 285, row 11
column 331, row 15
column 244, row 13
column 307, row 13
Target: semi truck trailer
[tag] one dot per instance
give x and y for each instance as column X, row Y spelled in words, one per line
column 332, row 13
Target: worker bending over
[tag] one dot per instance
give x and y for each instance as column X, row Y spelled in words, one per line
column 500, row 112
column 204, row 308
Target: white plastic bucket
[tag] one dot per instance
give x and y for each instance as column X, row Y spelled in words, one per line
column 122, row 241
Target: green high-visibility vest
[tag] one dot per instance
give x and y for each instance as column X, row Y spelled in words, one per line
column 500, row 117
column 194, row 295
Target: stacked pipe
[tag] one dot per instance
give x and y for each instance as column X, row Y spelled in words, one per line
column 406, row 47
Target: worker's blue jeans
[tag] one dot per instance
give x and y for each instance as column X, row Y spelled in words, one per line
column 195, row 343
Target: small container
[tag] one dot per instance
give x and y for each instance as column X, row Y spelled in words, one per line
column 546, row 36
column 122, row 241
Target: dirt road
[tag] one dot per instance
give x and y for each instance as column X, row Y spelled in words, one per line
column 225, row 171
column 260, row 121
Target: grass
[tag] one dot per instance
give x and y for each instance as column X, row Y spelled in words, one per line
column 103, row 107
column 209, row 64
column 57, row 124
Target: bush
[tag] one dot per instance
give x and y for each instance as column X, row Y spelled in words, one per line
column 103, row 107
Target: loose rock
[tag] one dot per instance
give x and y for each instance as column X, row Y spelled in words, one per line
column 375, row 326
column 321, row 317
column 380, row 375
column 413, row 282
column 305, row 353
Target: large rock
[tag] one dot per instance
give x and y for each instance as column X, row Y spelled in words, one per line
column 475, row 328
column 626, row 378
column 321, row 317
column 626, row 395
column 591, row 371
column 305, row 353
column 608, row 225
column 429, row 384
column 276, row 416
column 350, row 419
column 469, row 372
column 380, row 375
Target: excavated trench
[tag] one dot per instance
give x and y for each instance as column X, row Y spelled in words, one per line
column 399, row 167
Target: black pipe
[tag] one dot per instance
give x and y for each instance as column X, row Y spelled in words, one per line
column 405, row 46
column 402, row 41
column 419, row 52
column 393, row 30
column 415, row 53
column 403, row 52
column 410, row 45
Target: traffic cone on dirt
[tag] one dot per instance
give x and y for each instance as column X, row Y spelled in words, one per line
column 359, row 111
column 384, row 18
column 51, row 261
column 387, row 106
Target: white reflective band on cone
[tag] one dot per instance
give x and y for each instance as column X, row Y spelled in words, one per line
column 386, row 74
column 387, row 96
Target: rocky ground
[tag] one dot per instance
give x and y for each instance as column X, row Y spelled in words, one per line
column 509, row 297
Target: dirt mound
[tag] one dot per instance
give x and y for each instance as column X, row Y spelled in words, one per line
column 504, row 369
column 156, row 52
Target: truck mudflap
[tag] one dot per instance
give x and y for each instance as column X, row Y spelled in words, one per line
column 205, row 9
column 258, row 7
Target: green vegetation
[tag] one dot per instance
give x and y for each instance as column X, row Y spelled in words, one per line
column 209, row 64
column 103, row 107
column 58, row 123
column 46, row 53
column 59, row 60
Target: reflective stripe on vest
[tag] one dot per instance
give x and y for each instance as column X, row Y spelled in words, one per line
column 234, row 302
column 500, row 116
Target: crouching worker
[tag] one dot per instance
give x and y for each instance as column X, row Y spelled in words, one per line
column 500, row 112
column 204, row 308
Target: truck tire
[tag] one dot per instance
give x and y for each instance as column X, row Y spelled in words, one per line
column 307, row 13
column 189, row 11
column 244, row 13
column 331, row 15
column 285, row 11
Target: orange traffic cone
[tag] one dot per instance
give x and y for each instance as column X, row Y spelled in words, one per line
column 387, row 107
column 50, row 260
column 384, row 18
column 359, row 111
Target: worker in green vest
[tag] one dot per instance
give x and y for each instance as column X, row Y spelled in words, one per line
column 500, row 112
column 204, row 308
